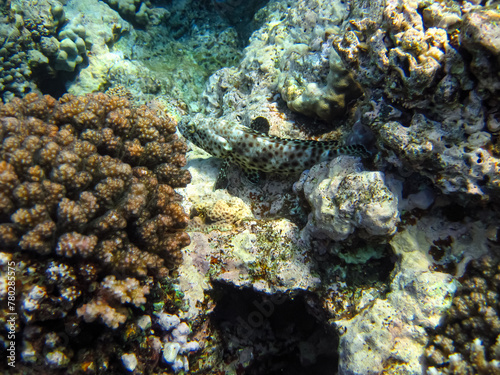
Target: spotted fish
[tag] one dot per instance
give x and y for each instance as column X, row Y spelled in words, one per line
column 257, row 152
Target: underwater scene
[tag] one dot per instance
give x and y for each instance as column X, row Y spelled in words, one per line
column 259, row 187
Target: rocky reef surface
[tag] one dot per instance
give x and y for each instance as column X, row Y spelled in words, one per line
column 385, row 264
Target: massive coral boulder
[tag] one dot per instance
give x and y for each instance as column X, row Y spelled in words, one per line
column 344, row 198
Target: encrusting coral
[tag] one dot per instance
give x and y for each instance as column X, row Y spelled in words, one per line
column 439, row 58
column 389, row 45
column 89, row 213
column 233, row 210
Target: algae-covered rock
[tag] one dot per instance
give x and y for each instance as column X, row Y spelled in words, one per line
column 451, row 153
column 390, row 335
column 344, row 198
column 317, row 86
column 267, row 257
column 481, row 30
column 139, row 12
column 480, row 35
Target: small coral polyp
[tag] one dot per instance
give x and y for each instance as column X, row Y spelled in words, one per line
column 92, row 177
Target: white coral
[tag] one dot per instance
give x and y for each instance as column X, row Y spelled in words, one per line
column 112, row 292
column 97, row 308
column 127, row 291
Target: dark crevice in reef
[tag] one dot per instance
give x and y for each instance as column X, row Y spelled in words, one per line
column 54, row 85
column 360, row 263
column 239, row 14
column 273, row 334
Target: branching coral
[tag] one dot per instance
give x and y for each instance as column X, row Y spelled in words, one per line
column 89, row 213
column 107, row 304
column 88, row 176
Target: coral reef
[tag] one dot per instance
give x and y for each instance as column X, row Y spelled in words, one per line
column 343, row 198
column 455, row 161
column 279, row 65
column 138, row 12
column 468, row 341
column 60, row 192
column 389, row 335
column 416, row 59
column 408, row 49
column 430, row 108
column 164, row 59
column 89, row 212
column 382, row 322
column 294, row 55
column 176, row 345
column 352, row 269
column 418, row 56
column 480, row 30
column 289, row 58
column 45, row 41
column 312, row 78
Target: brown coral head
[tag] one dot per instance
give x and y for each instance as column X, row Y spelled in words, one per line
column 92, row 177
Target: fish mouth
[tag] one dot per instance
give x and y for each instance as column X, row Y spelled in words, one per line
column 186, row 129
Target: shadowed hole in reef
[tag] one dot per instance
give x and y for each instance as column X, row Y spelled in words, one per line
column 240, row 14
column 273, row 334
column 54, row 85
